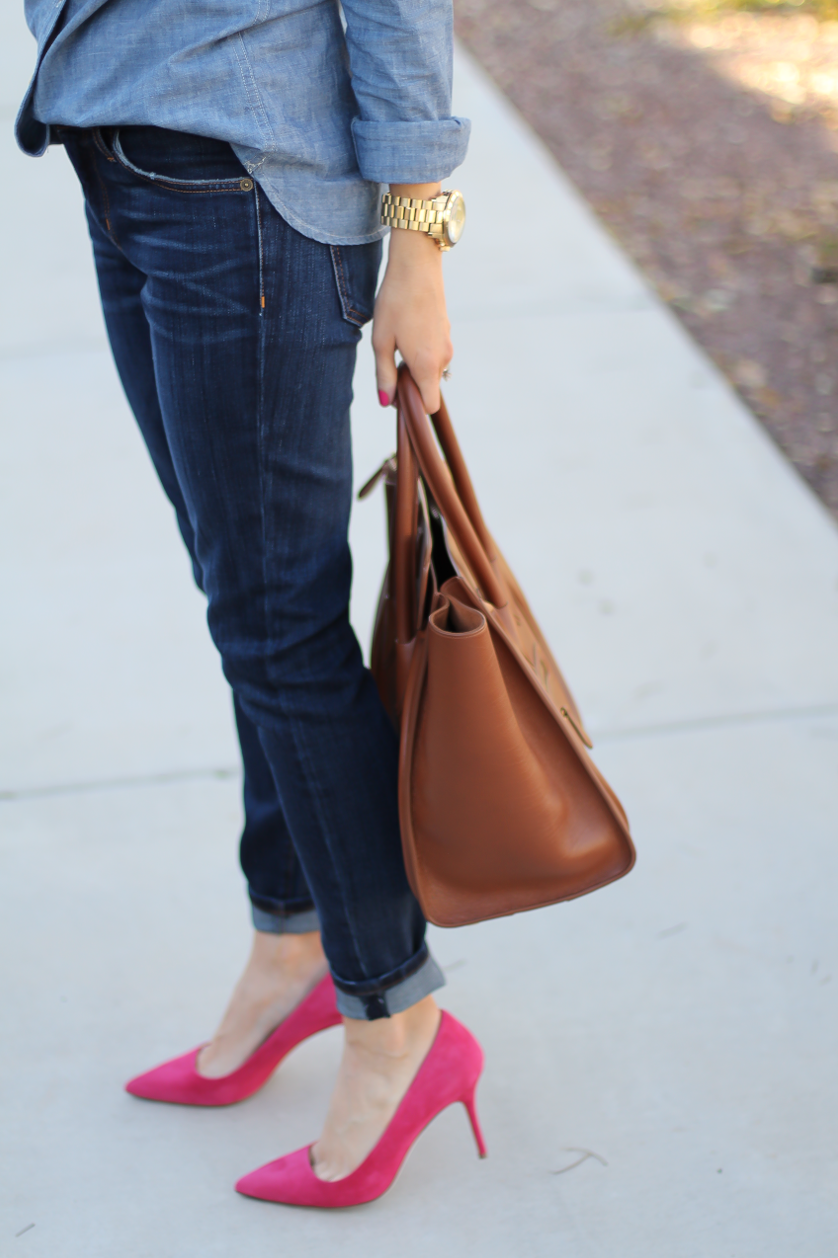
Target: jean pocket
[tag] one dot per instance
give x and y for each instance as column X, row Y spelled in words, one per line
column 161, row 179
column 356, row 275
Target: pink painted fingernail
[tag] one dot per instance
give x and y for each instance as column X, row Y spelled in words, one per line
column 383, row 398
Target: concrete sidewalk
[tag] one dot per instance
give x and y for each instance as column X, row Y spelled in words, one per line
column 679, row 1026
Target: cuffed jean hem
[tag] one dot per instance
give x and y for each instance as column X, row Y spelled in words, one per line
column 383, row 1004
column 285, row 923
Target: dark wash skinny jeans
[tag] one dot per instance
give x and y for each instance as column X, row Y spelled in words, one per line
column 235, row 338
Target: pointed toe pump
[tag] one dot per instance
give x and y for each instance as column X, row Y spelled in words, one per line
column 448, row 1074
column 178, row 1082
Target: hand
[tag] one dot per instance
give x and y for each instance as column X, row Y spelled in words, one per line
column 410, row 314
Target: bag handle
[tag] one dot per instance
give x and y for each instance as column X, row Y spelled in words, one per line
column 403, row 542
column 454, row 494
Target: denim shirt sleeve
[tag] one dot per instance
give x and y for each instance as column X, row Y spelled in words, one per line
column 400, row 56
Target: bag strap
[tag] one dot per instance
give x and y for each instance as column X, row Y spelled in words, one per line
column 457, row 466
column 451, row 488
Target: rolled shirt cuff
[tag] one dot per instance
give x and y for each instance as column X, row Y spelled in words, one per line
column 410, row 152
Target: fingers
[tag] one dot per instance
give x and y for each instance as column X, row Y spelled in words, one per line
column 410, row 318
column 425, row 369
column 427, row 365
column 384, row 348
column 427, row 381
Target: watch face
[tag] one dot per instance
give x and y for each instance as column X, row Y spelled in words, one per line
column 456, row 220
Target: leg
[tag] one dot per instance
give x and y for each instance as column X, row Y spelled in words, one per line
column 280, row 899
column 286, row 959
column 276, row 884
column 253, row 346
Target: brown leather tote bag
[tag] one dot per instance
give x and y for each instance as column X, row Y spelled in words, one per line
column 501, row 807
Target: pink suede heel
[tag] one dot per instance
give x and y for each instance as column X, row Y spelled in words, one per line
column 179, row 1083
column 448, row 1074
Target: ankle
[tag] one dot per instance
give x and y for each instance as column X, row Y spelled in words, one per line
column 380, row 1059
column 280, row 972
column 293, row 955
column 396, row 1037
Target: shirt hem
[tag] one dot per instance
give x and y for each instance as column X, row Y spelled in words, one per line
column 313, row 232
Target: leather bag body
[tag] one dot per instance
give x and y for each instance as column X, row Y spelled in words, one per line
column 501, row 806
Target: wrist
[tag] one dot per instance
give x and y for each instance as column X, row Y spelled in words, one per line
column 427, row 210
column 410, row 249
column 413, row 249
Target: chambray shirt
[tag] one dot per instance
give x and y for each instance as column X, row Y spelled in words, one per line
column 318, row 115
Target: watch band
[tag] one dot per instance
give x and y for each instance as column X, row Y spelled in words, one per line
column 417, row 216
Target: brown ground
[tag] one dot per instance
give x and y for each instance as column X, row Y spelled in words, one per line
column 706, row 141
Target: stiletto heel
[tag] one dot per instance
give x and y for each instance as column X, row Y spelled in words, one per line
column 471, row 1110
column 178, row 1082
column 448, row 1074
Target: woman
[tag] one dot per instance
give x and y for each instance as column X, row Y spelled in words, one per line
column 232, row 167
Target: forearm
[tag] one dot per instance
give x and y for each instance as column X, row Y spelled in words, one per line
column 410, row 314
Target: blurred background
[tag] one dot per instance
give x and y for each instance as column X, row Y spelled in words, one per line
column 705, row 135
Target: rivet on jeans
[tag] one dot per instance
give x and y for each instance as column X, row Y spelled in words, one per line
column 246, row 185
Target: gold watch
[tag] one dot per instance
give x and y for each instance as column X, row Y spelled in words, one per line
column 443, row 218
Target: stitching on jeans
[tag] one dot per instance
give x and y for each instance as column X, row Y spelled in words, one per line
column 345, row 299
column 259, row 247
column 264, row 494
column 98, row 140
column 289, row 871
column 223, row 185
column 265, row 489
column 348, row 310
column 340, row 886
column 106, row 205
column 89, row 176
column 175, row 185
column 264, row 481
column 159, row 183
column 264, row 498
